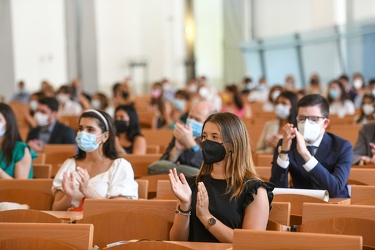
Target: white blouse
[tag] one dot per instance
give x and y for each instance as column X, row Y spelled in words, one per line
column 118, row 180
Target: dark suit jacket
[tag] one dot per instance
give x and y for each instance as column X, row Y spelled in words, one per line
column 334, row 157
column 61, row 134
column 365, row 136
column 187, row 157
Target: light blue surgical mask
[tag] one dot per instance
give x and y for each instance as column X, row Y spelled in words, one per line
column 2, row 130
column 86, row 141
column 195, row 126
column 334, row 94
column 178, row 104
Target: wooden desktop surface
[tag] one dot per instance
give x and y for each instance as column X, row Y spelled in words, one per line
column 66, row 215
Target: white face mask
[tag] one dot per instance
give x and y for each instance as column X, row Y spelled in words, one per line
column 33, row 105
column 95, row 103
column 310, row 130
column 282, row 111
column 368, row 109
column 357, row 83
column 2, row 130
column 41, row 119
column 62, row 98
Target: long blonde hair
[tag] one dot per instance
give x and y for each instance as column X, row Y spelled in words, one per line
column 236, row 141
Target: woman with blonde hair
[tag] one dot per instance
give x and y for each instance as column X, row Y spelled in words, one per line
column 227, row 193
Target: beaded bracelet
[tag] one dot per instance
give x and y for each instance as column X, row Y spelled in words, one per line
column 182, row 212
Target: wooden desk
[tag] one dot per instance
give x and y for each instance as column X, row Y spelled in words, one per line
column 166, row 245
column 67, row 216
column 204, row 245
column 341, row 201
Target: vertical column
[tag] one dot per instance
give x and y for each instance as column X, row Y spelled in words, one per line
column 189, row 40
column 81, row 37
column 6, row 51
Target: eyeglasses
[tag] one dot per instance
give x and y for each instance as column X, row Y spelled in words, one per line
column 312, row 118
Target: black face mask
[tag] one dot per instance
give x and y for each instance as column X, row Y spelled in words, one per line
column 125, row 94
column 212, row 152
column 121, row 126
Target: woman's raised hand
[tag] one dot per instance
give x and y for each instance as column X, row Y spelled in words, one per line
column 180, row 187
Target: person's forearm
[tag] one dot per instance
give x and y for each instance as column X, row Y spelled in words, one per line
column 4, row 175
column 174, row 154
column 63, row 204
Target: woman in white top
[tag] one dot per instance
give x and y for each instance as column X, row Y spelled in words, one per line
column 367, row 110
column 339, row 104
column 96, row 171
column 286, row 111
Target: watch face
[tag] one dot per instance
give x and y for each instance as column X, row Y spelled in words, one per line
column 211, row 221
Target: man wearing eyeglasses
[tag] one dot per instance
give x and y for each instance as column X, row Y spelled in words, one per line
column 314, row 158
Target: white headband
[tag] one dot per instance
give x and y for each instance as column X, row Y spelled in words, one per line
column 100, row 115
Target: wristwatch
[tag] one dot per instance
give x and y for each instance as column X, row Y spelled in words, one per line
column 281, row 151
column 211, row 222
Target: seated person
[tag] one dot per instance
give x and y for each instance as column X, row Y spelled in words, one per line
column 184, row 152
column 227, row 193
column 338, row 102
column 286, row 111
column 49, row 130
column 96, row 171
column 67, row 105
column 180, row 107
column 15, row 156
column 364, row 149
column 314, row 158
column 128, row 131
column 232, row 102
column 367, row 110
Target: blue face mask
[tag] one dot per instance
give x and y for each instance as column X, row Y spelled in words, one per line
column 334, row 94
column 178, row 104
column 86, row 141
column 195, row 126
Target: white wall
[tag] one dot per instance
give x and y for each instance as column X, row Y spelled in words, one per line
column 274, row 17
column 38, row 28
column 208, row 16
column 142, row 29
column 363, row 9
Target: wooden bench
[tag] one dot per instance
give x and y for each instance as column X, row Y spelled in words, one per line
column 34, row 192
column 362, row 176
column 162, row 208
column 363, row 195
column 42, row 171
column 28, row 215
column 158, row 137
column 340, row 219
column 56, row 154
column 264, row 172
column 77, row 236
column 265, row 240
column 140, row 163
column 152, row 183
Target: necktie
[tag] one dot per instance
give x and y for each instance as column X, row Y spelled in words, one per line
column 311, row 150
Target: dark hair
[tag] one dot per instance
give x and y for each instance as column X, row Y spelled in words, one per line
column 314, row 100
column 109, row 149
column 134, row 125
column 371, row 82
column 343, row 95
column 274, row 88
column 345, row 77
column 362, row 116
column 293, row 98
column 12, row 134
column 65, row 89
column 116, row 86
column 236, row 95
column 183, row 93
column 51, row 103
column 103, row 100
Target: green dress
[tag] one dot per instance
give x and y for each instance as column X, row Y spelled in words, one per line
column 18, row 153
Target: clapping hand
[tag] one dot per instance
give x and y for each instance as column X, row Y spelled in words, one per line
column 202, row 201
column 370, row 160
column 83, row 180
column 180, row 187
column 68, row 184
